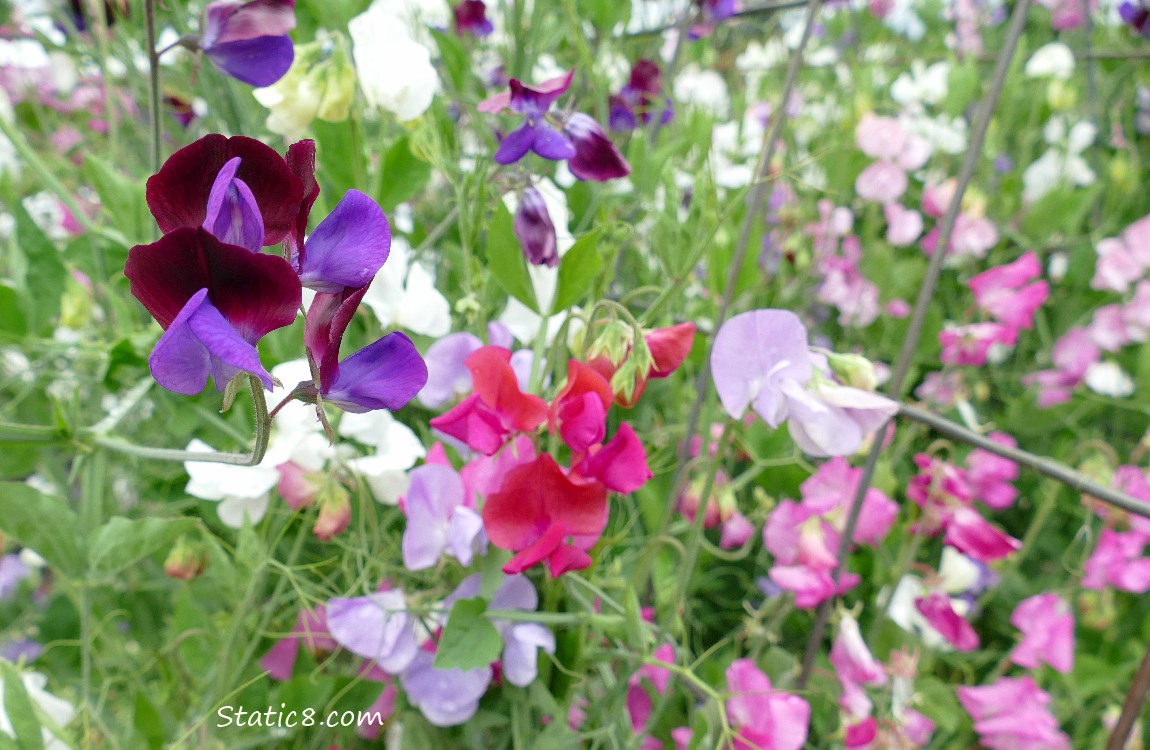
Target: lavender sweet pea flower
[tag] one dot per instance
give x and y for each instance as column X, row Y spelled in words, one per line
column 445, row 697
column 535, row 134
column 447, row 376
column 596, row 157
column 438, row 521
column 719, row 10
column 12, row 572
column 348, row 247
column 376, row 627
column 249, row 41
column 535, row 231
column 233, row 216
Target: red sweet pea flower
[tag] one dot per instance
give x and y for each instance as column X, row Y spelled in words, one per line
column 537, row 509
column 579, row 412
column 496, row 409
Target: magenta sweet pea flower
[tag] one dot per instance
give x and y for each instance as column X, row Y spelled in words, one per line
column 1047, row 626
column 1004, row 293
column 1117, row 561
column 851, row 657
column 180, row 194
column 249, row 41
column 214, row 302
column 310, row 631
column 471, row 18
column 1011, row 714
column 762, row 716
column 939, row 612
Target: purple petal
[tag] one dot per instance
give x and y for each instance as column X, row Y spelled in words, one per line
column 522, row 642
column 465, row 536
column 535, row 231
column 226, row 22
column 753, row 353
column 445, row 697
column 433, row 496
column 348, row 247
column 516, row 592
column 538, row 99
column 257, row 62
column 233, row 216
column 384, row 375
column 12, row 572
column 327, row 320
column 447, row 375
column 375, row 627
column 201, row 342
column 596, row 157
column 551, row 144
column 516, row 145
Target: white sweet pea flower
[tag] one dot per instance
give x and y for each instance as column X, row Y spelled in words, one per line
column 406, row 296
column 901, row 19
column 58, row 710
column 241, row 491
column 705, row 89
column 394, row 70
column 1054, row 60
column 1062, row 162
column 1108, row 379
column 922, row 84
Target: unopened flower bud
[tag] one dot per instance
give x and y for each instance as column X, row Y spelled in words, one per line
column 854, row 370
column 334, row 513
column 186, row 560
column 535, row 230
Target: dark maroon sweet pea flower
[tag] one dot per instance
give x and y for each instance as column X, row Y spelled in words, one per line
column 535, row 230
column 178, row 194
column 383, row 375
column 637, row 101
column 596, row 157
column 471, row 18
column 301, row 161
column 214, row 301
column 1137, row 16
column 249, row 41
column 347, row 248
column 535, row 134
column 233, row 216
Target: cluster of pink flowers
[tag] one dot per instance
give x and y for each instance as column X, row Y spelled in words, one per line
column 1118, row 560
column 973, row 235
column 1010, row 297
column 804, row 537
column 843, row 285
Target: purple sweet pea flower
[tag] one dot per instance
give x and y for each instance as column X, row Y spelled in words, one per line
column 249, row 41
column 535, row 134
column 348, row 247
column 376, row 627
column 635, row 103
column 233, row 215
column 718, row 10
column 438, row 521
column 596, row 157
column 447, row 376
column 12, row 572
column 471, row 18
column 445, row 697
column 535, row 230
column 1136, row 16
column 20, row 649
column 215, row 302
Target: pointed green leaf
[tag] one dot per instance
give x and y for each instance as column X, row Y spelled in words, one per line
column 577, row 270
column 505, row 260
column 12, row 318
column 404, row 175
column 121, row 543
column 43, row 523
column 46, row 283
column 469, row 639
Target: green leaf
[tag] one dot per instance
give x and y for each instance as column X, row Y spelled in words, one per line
column 454, row 57
column 469, row 639
column 46, row 284
column 123, row 198
column 505, row 260
column 577, row 270
column 404, row 175
column 20, row 711
column 148, row 722
column 12, row 318
column 121, row 543
column 44, row 523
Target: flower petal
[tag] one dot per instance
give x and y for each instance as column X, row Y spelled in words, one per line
column 257, row 62
column 383, row 375
column 348, row 247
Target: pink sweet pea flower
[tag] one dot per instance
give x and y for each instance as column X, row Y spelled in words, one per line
column 1012, row 714
column 939, row 612
column 990, row 476
column 764, row 718
column 1117, row 561
column 904, row 225
column 1116, row 268
column 1003, row 291
column 852, row 659
column 880, row 137
column 1047, row 626
column 971, row 344
column 882, row 181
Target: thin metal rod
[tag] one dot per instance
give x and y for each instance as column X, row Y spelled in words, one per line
column 1040, row 464
column 1132, row 706
column 918, row 317
column 748, row 13
column 153, row 80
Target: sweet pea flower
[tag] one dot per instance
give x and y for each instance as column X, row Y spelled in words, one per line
column 534, row 230
column 761, row 716
column 596, row 157
column 438, row 521
column 1004, row 293
column 396, row 449
column 851, row 658
column 938, row 609
column 310, row 631
column 57, row 710
column 535, row 134
column 249, row 40
column 377, row 627
column 445, row 697
column 1117, row 561
column 974, row 344
column 990, row 476
column 395, row 72
column 1135, row 15
column 1123, row 260
column 636, row 102
column 1062, row 162
column 904, row 225
column 1047, row 626
column 403, row 294
column 1013, row 713
column 471, row 18
column 12, row 572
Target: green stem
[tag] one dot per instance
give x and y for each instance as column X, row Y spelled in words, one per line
column 11, row 432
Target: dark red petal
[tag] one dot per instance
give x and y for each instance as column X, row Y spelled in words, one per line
column 178, row 194
column 301, row 161
column 257, row 293
column 327, row 320
column 495, row 383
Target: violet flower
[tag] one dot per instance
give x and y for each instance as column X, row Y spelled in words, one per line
column 12, row 572
column 445, row 697
column 534, row 229
column 214, row 301
column 637, row 100
column 471, row 18
column 249, row 41
column 348, row 247
column 376, row 627
column 233, row 215
column 438, row 520
column 1136, row 16
column 535, row 134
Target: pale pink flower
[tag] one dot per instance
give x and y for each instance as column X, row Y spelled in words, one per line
column 881, row 181
column 851, row 658
column 904, row 225
column 1117, row 562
